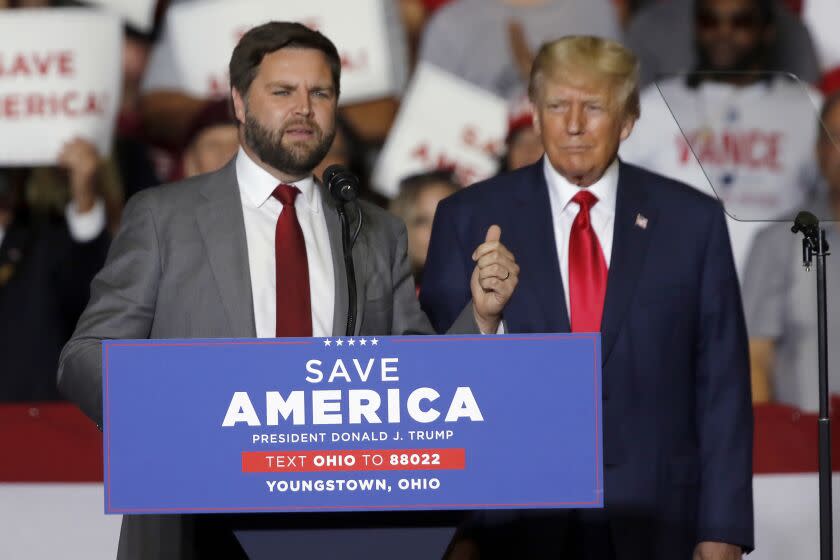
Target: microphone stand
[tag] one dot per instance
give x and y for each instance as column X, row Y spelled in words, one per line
column 347, row 242
column 814, row 246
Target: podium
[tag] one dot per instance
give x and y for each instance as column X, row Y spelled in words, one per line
column 342, row 443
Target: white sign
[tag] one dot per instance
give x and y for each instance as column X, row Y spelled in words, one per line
column 203, row 36
column 443, row 122
column 821, row 17
column 137, row 13
column 60, row 77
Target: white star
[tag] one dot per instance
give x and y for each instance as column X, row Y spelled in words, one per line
column 339, row 342
column 351, row 342
column 328, row 342
column 363, row 342
column 374, row 341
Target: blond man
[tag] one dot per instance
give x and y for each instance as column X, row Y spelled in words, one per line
column 608, row 247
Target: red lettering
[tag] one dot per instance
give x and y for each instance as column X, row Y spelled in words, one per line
column 772, row 159
column 42, row 65
column 421, row 152
column 683, row 149
column 92, row 106
column 493, row 148
column 754, row 149
column 66, row 103
column 10, row 107
column 469, row 136
column 38, row 64
column 19, row 66
column 445, row 162
column 35, row 105
column 65, row 63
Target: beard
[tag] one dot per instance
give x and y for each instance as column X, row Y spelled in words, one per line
column 296, row 160
column 745, row 61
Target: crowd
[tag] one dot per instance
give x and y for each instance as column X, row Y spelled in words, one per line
column 741, row 101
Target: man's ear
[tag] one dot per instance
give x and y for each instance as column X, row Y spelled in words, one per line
column 535, row 116
column 189, row 163
column 238, row 105
column 627, row 127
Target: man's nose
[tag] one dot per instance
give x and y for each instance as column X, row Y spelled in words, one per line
column 574, row 120
column 303, row 103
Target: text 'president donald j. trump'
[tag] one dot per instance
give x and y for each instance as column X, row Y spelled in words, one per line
column 255, row 250
column 605, row 246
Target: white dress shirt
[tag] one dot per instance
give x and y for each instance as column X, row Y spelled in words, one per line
column 261, row 211
column 564, row 211
column 83, row 227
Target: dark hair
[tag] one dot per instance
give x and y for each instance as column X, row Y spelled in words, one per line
column 273, row 36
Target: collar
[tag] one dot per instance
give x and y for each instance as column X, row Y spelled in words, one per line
column 258, row 184
column 604, row 188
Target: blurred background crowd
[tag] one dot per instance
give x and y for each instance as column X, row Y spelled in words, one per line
column 748, row 87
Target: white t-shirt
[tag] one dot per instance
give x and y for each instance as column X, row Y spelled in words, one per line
column 755, row 143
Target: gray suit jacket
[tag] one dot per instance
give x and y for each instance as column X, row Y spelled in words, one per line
column 178, row 268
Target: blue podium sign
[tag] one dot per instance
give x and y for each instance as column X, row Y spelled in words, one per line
column 343, row 424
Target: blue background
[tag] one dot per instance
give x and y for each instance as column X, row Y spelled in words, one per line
column 538, row 446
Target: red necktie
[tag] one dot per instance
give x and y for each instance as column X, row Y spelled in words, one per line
column 587, row 269
column 293, row 312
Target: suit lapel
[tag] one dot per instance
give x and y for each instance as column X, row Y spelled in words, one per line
column 541, row 296
column 635, row 219
column 222, row 227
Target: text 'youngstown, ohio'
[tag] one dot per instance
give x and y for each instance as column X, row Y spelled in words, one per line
column 351, row 485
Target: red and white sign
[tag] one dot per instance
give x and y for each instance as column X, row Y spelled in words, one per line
column 443, row 122
column 60, row 77
column 203, row 36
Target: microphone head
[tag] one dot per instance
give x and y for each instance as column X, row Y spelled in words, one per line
column 342, row 184
column 807, row 223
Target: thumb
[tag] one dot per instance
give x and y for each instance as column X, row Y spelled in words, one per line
column 494, row 233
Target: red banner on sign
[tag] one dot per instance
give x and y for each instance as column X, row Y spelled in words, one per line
column 354, row 460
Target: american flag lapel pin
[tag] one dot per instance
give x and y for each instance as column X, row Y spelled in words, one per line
column 641, row 221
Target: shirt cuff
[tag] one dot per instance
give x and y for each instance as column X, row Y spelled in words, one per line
column 85, row 226
column 499, row 330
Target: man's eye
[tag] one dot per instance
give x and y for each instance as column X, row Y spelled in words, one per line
column 280, row 92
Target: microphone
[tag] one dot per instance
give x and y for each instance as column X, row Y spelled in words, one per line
column 344, row 187
column 808, row 224
column 341, row 183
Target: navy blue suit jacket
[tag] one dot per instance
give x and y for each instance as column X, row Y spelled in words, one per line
column 676, row 388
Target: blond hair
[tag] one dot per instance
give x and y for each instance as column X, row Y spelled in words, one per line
column 581, row 58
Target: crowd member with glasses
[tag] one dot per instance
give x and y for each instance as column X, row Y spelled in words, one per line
column 665, row 53
column 749, row 127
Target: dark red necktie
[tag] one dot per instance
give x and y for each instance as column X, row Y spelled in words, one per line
column 587, row 269
column 293, row 311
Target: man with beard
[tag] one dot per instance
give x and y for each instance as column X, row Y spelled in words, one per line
column 254, row 250
column 750, row 129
